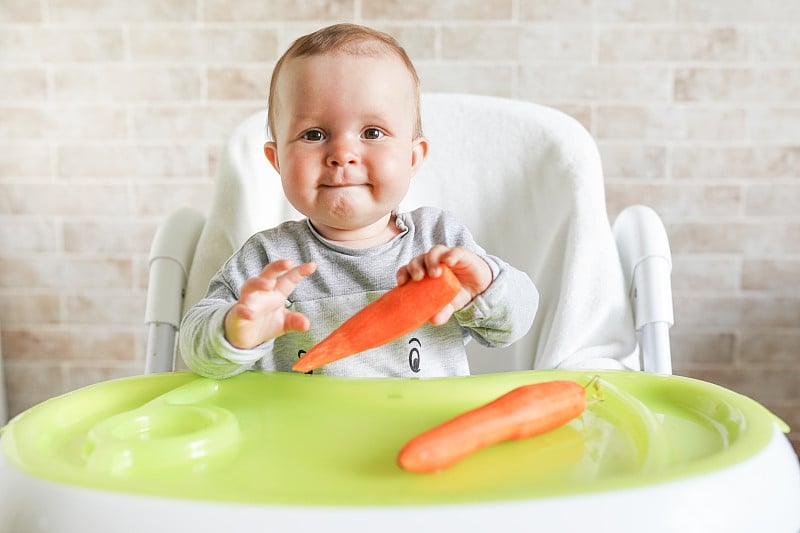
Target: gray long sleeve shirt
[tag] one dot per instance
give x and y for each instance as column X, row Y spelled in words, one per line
column 345, row 281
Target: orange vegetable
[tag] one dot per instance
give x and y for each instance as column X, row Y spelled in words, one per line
column 398, row 312
column 524, row 412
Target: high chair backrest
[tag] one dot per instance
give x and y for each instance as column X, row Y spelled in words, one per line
column 527, row 181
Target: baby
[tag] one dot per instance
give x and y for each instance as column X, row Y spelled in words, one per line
column 346, row 140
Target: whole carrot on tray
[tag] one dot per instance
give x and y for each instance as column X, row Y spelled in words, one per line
column 524, row 412
column 396, row 313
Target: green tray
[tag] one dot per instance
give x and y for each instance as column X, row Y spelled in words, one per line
column 296, row 439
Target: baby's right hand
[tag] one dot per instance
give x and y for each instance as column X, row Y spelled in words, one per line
column 261, row 314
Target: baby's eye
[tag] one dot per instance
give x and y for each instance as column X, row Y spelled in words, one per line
column 373, row 133
column 313, row 135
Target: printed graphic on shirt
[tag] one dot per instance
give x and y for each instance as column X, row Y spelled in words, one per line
column 300, row 354
column 413, row 354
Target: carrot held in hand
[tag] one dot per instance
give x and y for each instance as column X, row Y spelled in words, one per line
column 521, row 413
column 398, row 312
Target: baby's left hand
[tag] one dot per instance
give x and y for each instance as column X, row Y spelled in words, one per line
column 472, row 272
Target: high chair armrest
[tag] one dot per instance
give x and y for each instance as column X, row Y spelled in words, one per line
column 647, row 266
column 171, row 257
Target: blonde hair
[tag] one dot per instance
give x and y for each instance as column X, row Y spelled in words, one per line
column 347, row 38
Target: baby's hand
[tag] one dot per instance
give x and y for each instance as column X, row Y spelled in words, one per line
column 472, row 272
column 261, row 314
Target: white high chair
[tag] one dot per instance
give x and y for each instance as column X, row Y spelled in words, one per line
column 526, row 179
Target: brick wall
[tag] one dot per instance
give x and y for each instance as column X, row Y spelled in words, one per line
column 112, row 113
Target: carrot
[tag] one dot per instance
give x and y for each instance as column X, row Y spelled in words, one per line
column 524, row 412
column 398, row 312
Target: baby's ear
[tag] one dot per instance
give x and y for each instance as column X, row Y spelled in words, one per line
column 419, row 151
column 271, row 151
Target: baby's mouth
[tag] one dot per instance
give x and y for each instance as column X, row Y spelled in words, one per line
column 343, row 184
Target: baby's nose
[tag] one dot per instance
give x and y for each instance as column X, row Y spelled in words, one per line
column 343, row 153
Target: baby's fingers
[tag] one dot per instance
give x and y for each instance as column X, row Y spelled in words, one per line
column 434, row 258
column 272, row 286
column 287, row 282
column 442, row 316
column 415, row 269
column 294, row 321
column 255, row 291
column 425, row 265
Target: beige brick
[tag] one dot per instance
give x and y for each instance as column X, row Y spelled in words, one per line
column 239, row 83
column 204, row 45
column 671, row 44
column 419, row 41
column 780, row 275
column 63, row 44
column 526, row 44
column 629, row 160
column 61, row 199
column 111, row 236
column 749, row 239
column 693, row 273
column 633, row 10
column 692, row 349
column 160, row 199
column 773, row 312
column 772, row 200
column 62, row 122
column 90, row 342
column 214, row 152
column 765, row 385
column 670, row 122
column 744, row 11
column 278, row 10
column 770, row 348
column 24, row 234
column 735, row 162
column 20, row 11
column 481, row 42
column 23, row 83
column 57, row 271
column 94, row 306
column 475, row 79
column 136, row 161
column 24, row 306
column 594, row 83
column 24, row 161
column 774, row 124
column 708, row 311
column 557, row 10
column 581, row 113
column 78, row 375
column 31, row 382
column 440, row 10
column 121, row 11
column 141, row 272
column 776, row 43
column 676, row 201
column 199, row 122
column 127, row 83
column 734, row 84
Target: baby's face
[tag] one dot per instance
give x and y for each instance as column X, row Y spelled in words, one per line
column 345, row 145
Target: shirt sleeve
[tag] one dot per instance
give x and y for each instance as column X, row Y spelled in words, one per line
column 504, row 312
column 201, row 338
column 204, row 348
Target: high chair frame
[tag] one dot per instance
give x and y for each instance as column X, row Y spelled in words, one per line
column 639, row 236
